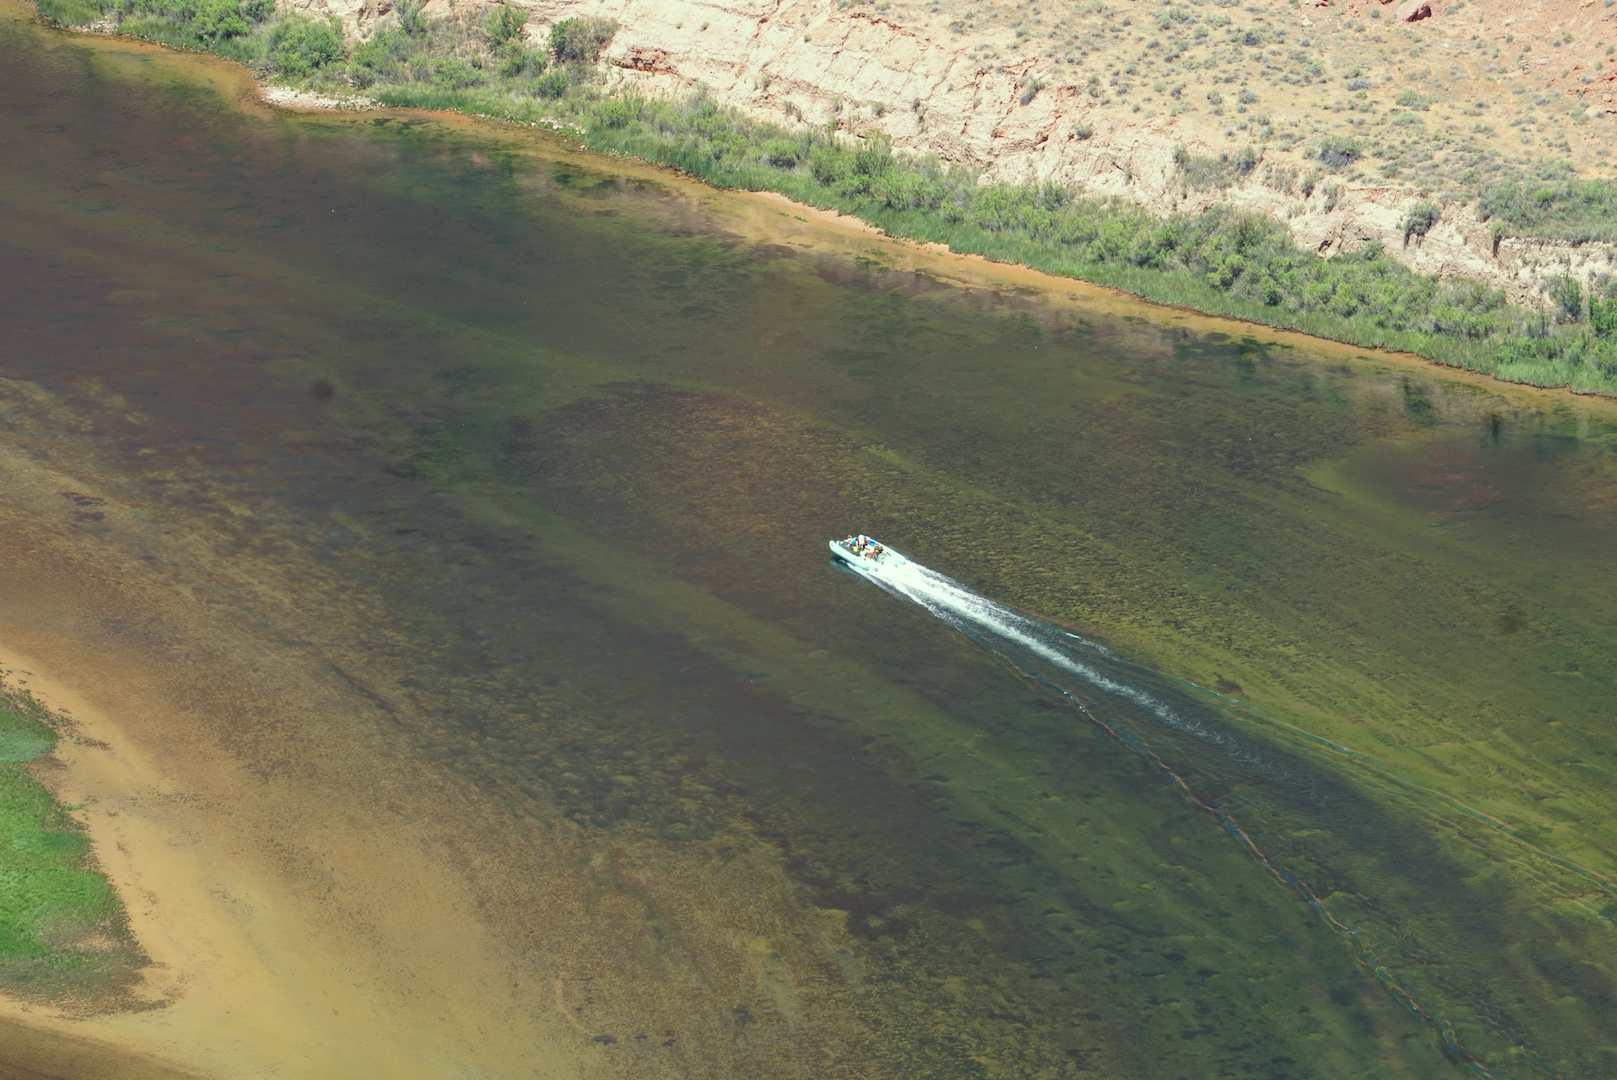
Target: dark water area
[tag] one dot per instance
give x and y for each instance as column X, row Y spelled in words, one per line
column 1321, row 790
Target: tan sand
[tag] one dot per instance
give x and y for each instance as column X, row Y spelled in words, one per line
column 302, row 921
column 318, row 901
column 257, row 974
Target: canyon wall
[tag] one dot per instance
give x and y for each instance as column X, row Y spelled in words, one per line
column 816, row 62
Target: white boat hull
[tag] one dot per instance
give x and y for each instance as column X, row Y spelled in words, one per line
column 861, row 562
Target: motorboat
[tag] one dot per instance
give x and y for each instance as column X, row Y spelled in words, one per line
column 861, row 551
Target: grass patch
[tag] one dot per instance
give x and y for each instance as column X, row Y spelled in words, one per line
column 59, row 918
column 1220, row 261
column 1205, row 172
column 71, row 12
column 1553, row 206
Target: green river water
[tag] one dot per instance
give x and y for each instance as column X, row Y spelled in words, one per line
column 589, row 443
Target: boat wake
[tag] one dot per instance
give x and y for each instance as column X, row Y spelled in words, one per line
column 1057, row 654
column 1162, row 719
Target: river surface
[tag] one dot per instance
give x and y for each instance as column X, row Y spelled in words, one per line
column 1250, row 714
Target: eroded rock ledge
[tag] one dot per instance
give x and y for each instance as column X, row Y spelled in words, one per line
column 811, row 61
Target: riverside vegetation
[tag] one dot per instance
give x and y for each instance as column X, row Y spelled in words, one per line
column 60, row 922
column 1220, row 261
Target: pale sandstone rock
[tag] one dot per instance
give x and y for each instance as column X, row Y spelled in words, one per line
column 785, row 60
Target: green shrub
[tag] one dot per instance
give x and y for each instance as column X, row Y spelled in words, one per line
column 519, row 62
column 581, row 40
column 1419, row 219
column 411, row 18
column 1567, row 293
column 1603, row 318
column 618, row 112
column 215, row 20
column 381, row 57
column 452, row 73
column 504, row 24
column 69, row 13
column 874, row 156
column 299, row 47
column 1553, row 207
column 1206, row 173
column 829, row 165
column 1339, row 151
column 782, row 153
column 552, row 84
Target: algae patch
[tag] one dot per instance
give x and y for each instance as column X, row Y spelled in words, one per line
column 63, row 934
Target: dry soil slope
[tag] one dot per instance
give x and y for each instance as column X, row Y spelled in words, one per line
column 1099, row 96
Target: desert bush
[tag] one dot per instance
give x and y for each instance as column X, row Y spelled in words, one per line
column 384, row 56
column 299, row 47
column 453, row 73
column 552, row 84
column 1281, row 177
column 829, row 165
column 618, row 112
column 216, row 20
column 783, row 153
column 1338, row 151
column 1603, row 318
column 873, row 157
column 504, row 24
column 581, row 40
column 1204, row 172
column 1553, row 207
column 70, row 13
column 411, row 19
column 1567, row 293
column 1419, row 219
column 517, row 61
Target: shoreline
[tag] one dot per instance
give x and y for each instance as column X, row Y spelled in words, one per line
column 201, row 908
column 275, row 97
column 964, row 269
column 282, row 937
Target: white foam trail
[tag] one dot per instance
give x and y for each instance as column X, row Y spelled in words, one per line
column 959, row 606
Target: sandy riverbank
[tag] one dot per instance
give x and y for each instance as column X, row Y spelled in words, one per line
column 318, row 899
column 302, row 918
column 771, row 217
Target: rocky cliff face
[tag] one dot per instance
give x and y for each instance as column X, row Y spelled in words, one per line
column 815, row 62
